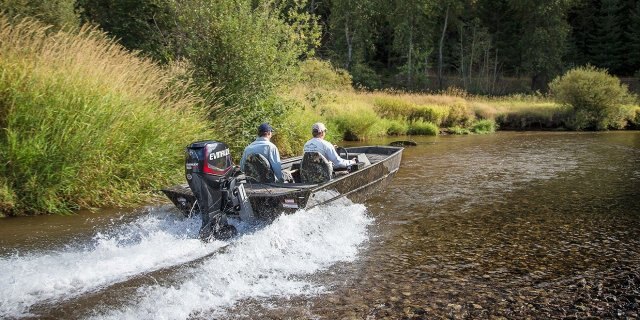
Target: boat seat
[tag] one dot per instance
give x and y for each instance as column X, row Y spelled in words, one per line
column 315, row 168
column 258, row 169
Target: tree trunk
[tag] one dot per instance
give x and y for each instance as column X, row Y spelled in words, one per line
column 473, row 47
column 495, row 73
column 444, row 31
column 349, row 39
column 464, row 79
column 410, row 69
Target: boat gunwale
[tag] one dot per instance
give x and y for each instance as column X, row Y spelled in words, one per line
column 313, row 187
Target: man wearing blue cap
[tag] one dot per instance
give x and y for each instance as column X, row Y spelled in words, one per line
column 262, row 145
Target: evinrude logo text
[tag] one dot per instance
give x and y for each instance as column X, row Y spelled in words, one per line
column 219, row 154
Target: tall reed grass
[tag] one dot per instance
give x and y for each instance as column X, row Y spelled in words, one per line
column 86, row 123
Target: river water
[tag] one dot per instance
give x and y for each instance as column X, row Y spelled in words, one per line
column 509, row 225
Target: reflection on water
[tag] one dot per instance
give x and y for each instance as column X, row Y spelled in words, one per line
column 513, row 225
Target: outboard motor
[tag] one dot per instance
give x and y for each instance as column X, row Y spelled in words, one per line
column 218, row 187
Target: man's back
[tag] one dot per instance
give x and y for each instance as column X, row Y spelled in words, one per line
column 326, row 149
column 269, row 150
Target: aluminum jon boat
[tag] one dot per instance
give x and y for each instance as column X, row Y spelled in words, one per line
column 216, row 188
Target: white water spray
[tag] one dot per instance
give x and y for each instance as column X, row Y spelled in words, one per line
column 272, row 262
column 149, row 243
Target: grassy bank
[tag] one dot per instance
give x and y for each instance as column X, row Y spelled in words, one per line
column 86, row 123
column 326, row 94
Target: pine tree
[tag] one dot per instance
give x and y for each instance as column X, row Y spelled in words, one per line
column 633, row 41
column 582, row 18
column 606, row 42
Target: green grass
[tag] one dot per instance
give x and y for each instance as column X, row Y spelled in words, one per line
column 85, row 123
column 484, row 126
column 458, row 130
column 423, row 128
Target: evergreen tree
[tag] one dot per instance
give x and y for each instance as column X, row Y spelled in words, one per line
column 633, row 41
column 505, row 28
column 607, row 43
column 582, row 19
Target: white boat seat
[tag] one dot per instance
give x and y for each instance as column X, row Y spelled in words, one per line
column 315, row 168
column 258, row 169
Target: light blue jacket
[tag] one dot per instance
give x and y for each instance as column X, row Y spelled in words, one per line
column 326, row 149
column 269, row 150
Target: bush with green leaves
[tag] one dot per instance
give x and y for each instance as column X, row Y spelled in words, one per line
column 460, row 113
column 422, row 128
column 364, row 77
column 58, row 13
column 429, row 113
column 484, row 126
column 596, row 98
column 249, row 50
column 145, row 25
column 458, row 130
column 320, row 74
column 396, row 127
column 393, row 108
column 358, row 125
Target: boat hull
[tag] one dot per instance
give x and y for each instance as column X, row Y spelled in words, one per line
column 272, row 199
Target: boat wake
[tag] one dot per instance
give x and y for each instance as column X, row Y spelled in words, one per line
column 273, row 260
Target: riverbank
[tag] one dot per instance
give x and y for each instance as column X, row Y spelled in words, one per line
column 87, row 124
column 363, row 115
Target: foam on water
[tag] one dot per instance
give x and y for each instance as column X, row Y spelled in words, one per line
column 274, row 261
column 148, row 243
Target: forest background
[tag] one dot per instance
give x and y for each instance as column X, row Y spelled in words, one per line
column 128, row 83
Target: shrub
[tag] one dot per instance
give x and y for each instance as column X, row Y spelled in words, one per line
column 319, row 74
column 484, row 126
column 59, row 13
column 364, row 77
column 635, row 120
column 250, row 50
column 423, row 128
column 632, row 116
column 85, row 122
column 357, row 125
column 145, row 25
column 397, row 127
column 459, row 114
column 392, row 108
column 458, row 130
column 595, row 98
column 435, row 114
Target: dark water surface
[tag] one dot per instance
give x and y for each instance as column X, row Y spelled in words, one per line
column 510, row 225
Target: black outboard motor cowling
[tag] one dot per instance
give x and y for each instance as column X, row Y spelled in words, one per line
column 216, row 184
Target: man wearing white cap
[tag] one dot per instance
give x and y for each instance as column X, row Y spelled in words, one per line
column 318, row 144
